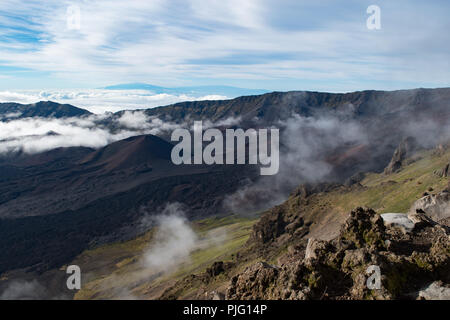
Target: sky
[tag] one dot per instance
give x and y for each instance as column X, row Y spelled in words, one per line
column 281, row 45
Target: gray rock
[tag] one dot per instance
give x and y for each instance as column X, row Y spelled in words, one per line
column 420, row 220
column 311, row 248
column 218, row 295
column 444, row 172
column 405, row 150
column 437, row 207
column 435, row 291
column 399, row 220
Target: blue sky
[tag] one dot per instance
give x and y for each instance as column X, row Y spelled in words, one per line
column 272, row 44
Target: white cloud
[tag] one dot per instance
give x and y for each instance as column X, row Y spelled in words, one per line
column 34, row 135
column 138, row 120
column 307, row 142
column 173, row 242
column 100, row 100
column 175, row 239
column 24, row 290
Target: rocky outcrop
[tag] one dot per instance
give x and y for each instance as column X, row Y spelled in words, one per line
column 272, row 225
column 399, row 220
column 217, row 268
column 285, row 220
column 435, row 291
column 256, row 283
column 405, row 150
column 313, row 248
column 444, row 172
column 354, row 179
column 306, row 190
column 408, row 264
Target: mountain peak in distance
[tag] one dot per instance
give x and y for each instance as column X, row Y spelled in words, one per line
column 196, row 91
column 40, row 109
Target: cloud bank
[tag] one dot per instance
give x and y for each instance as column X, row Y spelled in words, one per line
column 34, row 135
column 101, row 100
column 23, row 290
column 320, row 149
column 305, row 142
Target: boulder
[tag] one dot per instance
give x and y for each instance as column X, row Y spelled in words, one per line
column 435, row 291
column 436, row 207
column 312, row 248
column 218, row 295
column 364, row 227
column 253, row 283
column 420, row 220
column 399, row 220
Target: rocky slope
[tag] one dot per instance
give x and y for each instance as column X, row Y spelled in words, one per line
column 57, row 204
column 337, row 269
column 311, row 248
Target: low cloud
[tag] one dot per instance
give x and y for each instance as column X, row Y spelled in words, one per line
column 228, row 122
column 175, row 239
column 23, row 290
column 34, row 135
column 320, row 148
column 138, row 120
column 305, row 144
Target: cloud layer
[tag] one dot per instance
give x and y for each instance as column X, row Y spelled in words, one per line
column 99, row 100
column 34, row 135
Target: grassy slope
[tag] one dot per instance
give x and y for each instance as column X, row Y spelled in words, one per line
column 397, row 192
column 117, row 271
column 384, row 193
column 118, row 265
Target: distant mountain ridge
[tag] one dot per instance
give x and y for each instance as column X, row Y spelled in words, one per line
column 278, row 105
column 45, row 109
column 267, row 107
column 196, row 91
